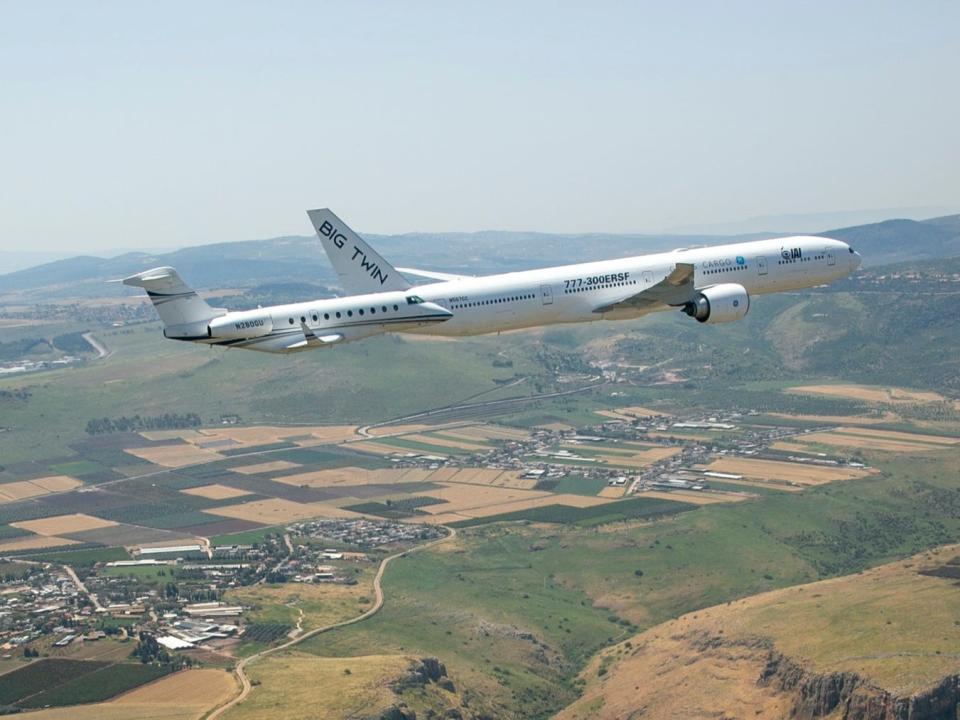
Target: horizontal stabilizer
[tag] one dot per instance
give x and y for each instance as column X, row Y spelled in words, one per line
column 178, row 305
column 433, row 275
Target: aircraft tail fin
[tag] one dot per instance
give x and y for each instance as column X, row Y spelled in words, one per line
column 178, row 304
column 361, row 268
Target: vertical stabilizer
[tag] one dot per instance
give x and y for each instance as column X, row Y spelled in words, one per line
column 361, row 268
column 179, row 306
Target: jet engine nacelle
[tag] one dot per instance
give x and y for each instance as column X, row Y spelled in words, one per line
column 719, row 304
column 240, row 325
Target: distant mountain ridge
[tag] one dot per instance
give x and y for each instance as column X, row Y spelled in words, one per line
column 301, row 259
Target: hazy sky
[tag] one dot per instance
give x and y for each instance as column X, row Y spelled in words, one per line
column 162, row 124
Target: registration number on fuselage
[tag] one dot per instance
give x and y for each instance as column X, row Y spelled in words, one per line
column 595, row 280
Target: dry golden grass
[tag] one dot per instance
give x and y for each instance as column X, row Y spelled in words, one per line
column 216, row 492
column 34, row 542
column 802, row 473
column 272, row 466
column 793, row 447
column 401, row 429
column 327, row 478
column 200, row 688
column 297, row 686
column 666, row 676
column 175, row 456
column 470, row 501
column 667, row 435
column 887, row 417
column 322, row 604
column 769, row 484
column 612, row 492
column 640, row 459
column 460, row 496
column 638, row 411
column 375, row 448
column 62, row 524
column 695, row 497
column 20, row 490
column 561, row 427
column 613, row 415
column 490, row 432
column 895, row 435
column 347, row 476
column 267, row 434
column 889, row 624
column 444, row 474
column 24, row 489
column 186, row 695
column 276, row 511
column 170, row 434
column 56, row 483
column 870, row 394
column 443, row 442
column 865, row 443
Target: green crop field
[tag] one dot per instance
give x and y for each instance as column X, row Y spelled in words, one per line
column 99, row 685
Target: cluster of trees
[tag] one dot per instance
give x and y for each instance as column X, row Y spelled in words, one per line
column 149, row 650
column 167, row 421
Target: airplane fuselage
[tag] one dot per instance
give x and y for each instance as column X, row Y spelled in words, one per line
column 565, row 294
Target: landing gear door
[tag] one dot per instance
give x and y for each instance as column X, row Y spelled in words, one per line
column 546, row 294
column 761, row 266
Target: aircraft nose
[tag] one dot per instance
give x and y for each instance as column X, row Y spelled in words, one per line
column 855, row 259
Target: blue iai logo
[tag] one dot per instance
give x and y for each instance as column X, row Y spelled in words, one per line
column 736, row 303
column 741, row 260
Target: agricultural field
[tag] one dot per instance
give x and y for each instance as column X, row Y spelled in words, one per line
column 13, row 491
column 184, row 695
column 874, row 439
column 893, row 625
column 56, row 682
column 559, row 583
column 784, row 472
column 216, row 492
column 871, row 394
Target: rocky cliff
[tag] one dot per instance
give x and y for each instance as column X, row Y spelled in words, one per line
column 850, row 697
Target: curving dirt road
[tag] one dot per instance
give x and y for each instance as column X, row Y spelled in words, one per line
column 240, row 670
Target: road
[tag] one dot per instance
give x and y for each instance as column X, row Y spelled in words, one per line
column 240, row 670
column 507, row 402
column 101, row 349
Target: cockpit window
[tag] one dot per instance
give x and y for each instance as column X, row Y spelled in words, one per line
column 850, row 249
column 414, row 299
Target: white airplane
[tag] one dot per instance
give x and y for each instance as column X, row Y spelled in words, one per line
column 711, row 284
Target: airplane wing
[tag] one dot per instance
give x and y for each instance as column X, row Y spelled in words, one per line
column 312, row 339
column 432, row 275
column 674, row 290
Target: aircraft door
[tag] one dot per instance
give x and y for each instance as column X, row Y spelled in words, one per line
column 761, row 266
column 546, row 294
column 831, row 257
column 647, row 279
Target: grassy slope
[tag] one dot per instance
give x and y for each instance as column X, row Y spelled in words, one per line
column 889, row 624
column 568, row 587
column 147, row 375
